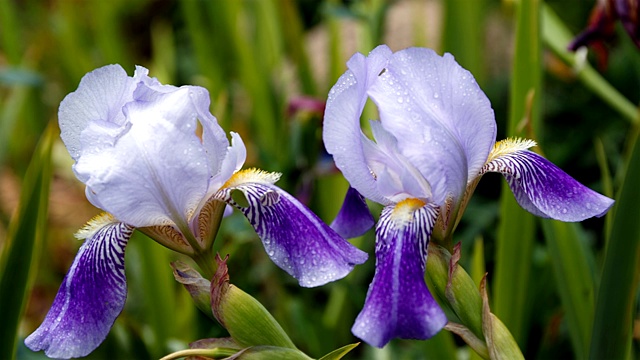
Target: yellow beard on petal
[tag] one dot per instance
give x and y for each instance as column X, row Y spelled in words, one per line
column 252, row 175
column 403, row 211
column 96, row 223
column 508, row 146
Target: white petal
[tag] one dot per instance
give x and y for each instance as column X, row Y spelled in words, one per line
column 442, row 120
column 341, row 132
column 99, row 98
column 153, row 175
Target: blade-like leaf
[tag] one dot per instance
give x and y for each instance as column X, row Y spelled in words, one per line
column 339, row 353
column 26, row 231
column 574, row 280
column 516, row 228
column 612, row 324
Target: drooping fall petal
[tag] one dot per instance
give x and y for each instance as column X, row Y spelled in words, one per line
column 90, row 298
column 293, row 236
column 398, row 303
column 545, row 190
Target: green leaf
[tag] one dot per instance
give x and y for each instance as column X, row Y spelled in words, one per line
column 463, row 34
column 611, row 337
column 339, row 353
column 516, row 228
column 574, row 280
column 557, row 37
column 25, row 236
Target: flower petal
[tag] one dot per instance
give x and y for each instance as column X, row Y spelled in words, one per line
column 341, row 130
column 171, row 101
column 399, row 304
column 354, row 217
column 90, row 298
column 545, row 190
column 153, row 175
column 98, row 99
column 396, row 178
column 293, row 236
column 442, row 120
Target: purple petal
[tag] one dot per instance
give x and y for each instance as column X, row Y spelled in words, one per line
column 399, row 304
column 294, row 237
column 545, row 190
column 90, row 298
column 354, row 218
column 341, row 130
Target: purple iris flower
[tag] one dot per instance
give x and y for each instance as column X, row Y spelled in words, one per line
column 435, row 138
column 154, row 159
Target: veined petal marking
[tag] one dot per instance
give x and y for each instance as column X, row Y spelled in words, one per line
column 90, row 298
column 399, row 304
column 294, row 237
column 545, row 190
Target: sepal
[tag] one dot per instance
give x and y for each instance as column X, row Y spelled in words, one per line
column 545, row 190
column 294, row 237
column 398, row 303
column 91, row 296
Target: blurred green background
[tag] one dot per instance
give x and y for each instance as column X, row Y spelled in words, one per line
column 264, row 63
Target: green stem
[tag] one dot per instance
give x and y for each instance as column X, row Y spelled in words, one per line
column 207, row 262
column 216, row 353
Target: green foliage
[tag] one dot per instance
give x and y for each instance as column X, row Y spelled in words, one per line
column 24, row 241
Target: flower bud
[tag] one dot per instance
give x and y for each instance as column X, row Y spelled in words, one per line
column 247, row 321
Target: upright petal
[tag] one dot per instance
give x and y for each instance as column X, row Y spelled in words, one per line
column 234, row 157
column 354, row 217
column 341, row 130
column 99, row 98
column 90, row 298
column 442, row 120
column 396, row 177
column 293, row 236
column 543, row 189
column 398, row 303
column 153, row 175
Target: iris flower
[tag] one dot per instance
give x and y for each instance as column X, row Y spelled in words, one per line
column 435, row 138
column 154, row 159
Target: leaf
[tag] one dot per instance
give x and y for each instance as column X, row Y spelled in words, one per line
column 340, row 352
column 612, row 324
column 25, row 236
column 514, row 242
column 574, row 280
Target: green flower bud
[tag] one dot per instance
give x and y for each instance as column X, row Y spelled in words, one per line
column 197, row 286
column 247, row 321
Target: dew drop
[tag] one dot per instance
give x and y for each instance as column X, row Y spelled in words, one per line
column 436, row 95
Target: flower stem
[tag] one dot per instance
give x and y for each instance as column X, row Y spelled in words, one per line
column 207, row 263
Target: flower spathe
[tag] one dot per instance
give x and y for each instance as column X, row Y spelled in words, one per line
column 154, row 159
column 435, row 138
